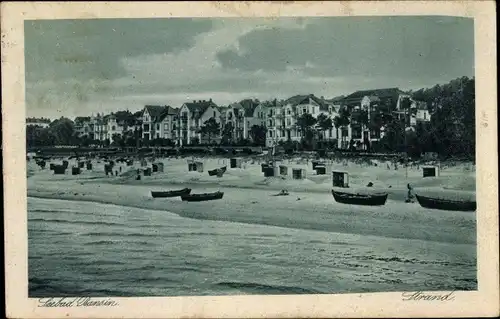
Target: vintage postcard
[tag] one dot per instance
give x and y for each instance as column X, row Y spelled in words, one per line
column 250, row 159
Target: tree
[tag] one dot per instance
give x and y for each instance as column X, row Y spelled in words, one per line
column 337, row 123
column 227, row 133
column 305, row 123
column 258, row 134
column 324, row 123
column 118, row 140
column 210, row 128
column 63, row 130
column 344, row 121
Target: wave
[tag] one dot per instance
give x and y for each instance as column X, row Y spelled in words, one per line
column 266, row 289
column 177, row 209
column 411, row 261
column 82, row 222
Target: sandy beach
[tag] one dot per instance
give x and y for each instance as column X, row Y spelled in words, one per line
column 399, row 236
column 249, row 194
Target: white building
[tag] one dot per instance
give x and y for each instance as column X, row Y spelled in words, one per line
column 281, row 117
column 191, row 117
column 243, row 115
column 158, row 122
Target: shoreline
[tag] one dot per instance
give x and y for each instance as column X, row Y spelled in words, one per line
column 314, row 210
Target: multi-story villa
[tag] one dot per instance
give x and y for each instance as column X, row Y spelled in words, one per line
column 191, row 117
column 113, row 127
column 82, row 125
column 281, row 117
column 242, row 116
column 158, row 122
column 365, row 106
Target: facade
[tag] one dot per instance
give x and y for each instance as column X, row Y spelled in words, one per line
column 281, row 117
column 371, row 102
column 158, row 122
column 190, row 119
column 242, row 116
column 113, row 127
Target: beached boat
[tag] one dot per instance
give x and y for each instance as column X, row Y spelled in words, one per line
column 217, row 171
column 202, row 197
column 360, row 199
column 180, row 192
column 446, row 204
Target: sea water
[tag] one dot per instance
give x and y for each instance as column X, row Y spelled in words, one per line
column 81, row 248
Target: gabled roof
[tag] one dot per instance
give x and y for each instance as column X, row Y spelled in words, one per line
column 155, row 110
column 158, row 112
column 302, row 99
column 168, row 110
column 381, row 93
column 249, row 106
column 273, row 103
column 198, row 108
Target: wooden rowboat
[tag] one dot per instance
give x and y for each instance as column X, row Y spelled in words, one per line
column 202, row 197
column 360, row 199
column 184, row 191
column 216, row 171
column 446, row 204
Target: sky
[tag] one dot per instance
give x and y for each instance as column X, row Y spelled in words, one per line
column 81, row 67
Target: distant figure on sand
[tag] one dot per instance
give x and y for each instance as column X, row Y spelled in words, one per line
column 410, row 196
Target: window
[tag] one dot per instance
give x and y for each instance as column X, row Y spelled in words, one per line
column 248, row 124
column 375, row 133
column 304, row 110
column 113, row 128
column 270, row 133
column 157, row 135
column 283, row 133
column 356, row 131
column 345, row 132
column 288, row 122
column 289, row 111
column 425, row 115
column 146, row 127
column 146, row 136
column 158, row 127
column 270, row 123
column 215, row 114
column 165, row 127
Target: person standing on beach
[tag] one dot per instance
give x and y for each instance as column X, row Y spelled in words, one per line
column 410, row 196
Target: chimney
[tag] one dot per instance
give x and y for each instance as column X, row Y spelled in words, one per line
column 210, row 100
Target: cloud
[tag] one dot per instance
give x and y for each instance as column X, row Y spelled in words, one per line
column 80, row 67
column 430, row 47
column 92, row 49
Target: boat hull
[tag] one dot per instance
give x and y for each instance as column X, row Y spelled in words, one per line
column 443, row 204
column 358, row 199
column 202, row 197
column 185, row 191
column 217, row 171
